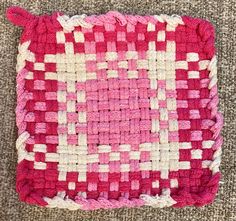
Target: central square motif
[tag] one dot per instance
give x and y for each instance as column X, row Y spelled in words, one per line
column 118, row 112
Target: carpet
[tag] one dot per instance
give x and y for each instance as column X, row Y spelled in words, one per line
column 220, row 13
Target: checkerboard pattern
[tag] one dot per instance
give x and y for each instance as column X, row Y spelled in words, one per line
column 116, row 110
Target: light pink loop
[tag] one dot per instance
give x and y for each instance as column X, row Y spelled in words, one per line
column 218, row 143
column 94, row 20
column 151, row 19
column 120, row 18
column 141, row 19
column 107, row 19
column 131, row 19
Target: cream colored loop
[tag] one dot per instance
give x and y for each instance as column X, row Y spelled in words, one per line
column 164, row 200
column 61, row 201
column 20, row 146
column 69, row 24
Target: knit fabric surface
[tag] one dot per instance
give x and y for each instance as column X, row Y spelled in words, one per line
column 115, row 110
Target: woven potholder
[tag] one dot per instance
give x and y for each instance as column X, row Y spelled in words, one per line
column 116, row 111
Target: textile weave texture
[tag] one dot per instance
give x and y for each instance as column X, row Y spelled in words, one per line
column 218, row 12
column 116, row 110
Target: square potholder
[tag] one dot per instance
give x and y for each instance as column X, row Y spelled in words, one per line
column 116, row 111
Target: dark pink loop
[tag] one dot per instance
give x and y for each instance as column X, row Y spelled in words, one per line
column 19, row 16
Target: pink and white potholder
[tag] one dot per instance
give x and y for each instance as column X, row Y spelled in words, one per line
column 116, row 111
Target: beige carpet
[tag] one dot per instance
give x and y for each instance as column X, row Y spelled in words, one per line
column 221, row 12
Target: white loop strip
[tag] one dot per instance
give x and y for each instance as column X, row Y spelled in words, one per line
column 20, row 146
column 61, row 201
column 164, row 200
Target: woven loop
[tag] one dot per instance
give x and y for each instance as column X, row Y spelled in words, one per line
column 19, row 16
column 120, row 18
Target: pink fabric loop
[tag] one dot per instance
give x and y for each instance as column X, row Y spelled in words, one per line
column 93, row 20
column 218, row 143
column 21, row 101
column 120, row 18
column 92, row 204
column 19, row 16
column 141, row 19
column 216, row 128
column 131, row 19
column 105, row 19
